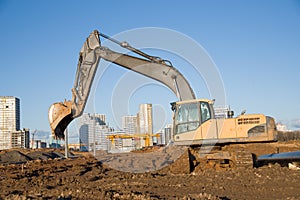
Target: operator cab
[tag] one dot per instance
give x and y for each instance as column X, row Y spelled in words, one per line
column 189, row 115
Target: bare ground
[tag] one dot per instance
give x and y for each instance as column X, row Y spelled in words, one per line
column 85, row 177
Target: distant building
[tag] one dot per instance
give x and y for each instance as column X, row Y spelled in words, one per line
column 20, row 139
column 9, row 120
column 84, row 137
column 129, row 124
column 144, row 119
column 53, row 142
column 38, row 144
column 144, row 123
column 101, row 119
column 93, row 129
column 166, row 135
column 138, row 126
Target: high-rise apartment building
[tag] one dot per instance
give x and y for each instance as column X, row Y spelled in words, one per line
column 93, row 130
column 129, row 124
column 144, row 119
column 168, row 133
column 101, row 119
column 9, row 120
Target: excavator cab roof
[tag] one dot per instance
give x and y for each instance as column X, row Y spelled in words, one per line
column 192, row 101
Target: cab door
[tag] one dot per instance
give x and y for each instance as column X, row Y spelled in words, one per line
column 208, row 124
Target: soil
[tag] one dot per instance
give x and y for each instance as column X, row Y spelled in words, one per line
column 45, row 174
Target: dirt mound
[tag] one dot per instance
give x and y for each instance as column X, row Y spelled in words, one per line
column 14, row 157
column 139, row 161
column 23, row 156
column 40, row 155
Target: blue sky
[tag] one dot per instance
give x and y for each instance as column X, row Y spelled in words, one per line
column 254, row 44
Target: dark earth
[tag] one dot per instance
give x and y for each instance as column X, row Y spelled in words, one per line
column 45, row 174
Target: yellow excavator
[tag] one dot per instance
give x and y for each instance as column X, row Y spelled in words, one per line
column 194, row 120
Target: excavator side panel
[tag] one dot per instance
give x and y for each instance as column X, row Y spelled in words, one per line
column 245, row 128
column 209, row 130
column 253, row 128
column 227, row 128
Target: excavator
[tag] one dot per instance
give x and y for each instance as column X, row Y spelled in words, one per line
column 194, row 121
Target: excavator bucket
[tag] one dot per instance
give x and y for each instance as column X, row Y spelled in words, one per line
column 60, row 115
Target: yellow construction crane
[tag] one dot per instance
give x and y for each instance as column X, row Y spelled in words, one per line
column 146, row 137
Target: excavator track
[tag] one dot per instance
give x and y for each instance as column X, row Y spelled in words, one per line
column 218, row 157
column 231, row 156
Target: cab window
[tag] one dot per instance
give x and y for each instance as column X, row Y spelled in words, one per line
column 188, row 117
column 205, row 112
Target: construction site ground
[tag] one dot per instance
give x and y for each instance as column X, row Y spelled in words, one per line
column 162, row 173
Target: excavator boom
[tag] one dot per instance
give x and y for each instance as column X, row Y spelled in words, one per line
column 62, row 113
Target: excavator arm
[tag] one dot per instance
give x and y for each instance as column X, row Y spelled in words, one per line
column 62, row 113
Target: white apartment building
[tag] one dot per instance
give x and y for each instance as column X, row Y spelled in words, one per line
column 93, row 130
column 144, row 119
column 129, row 124
column 166, row 135
column 9, row 120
